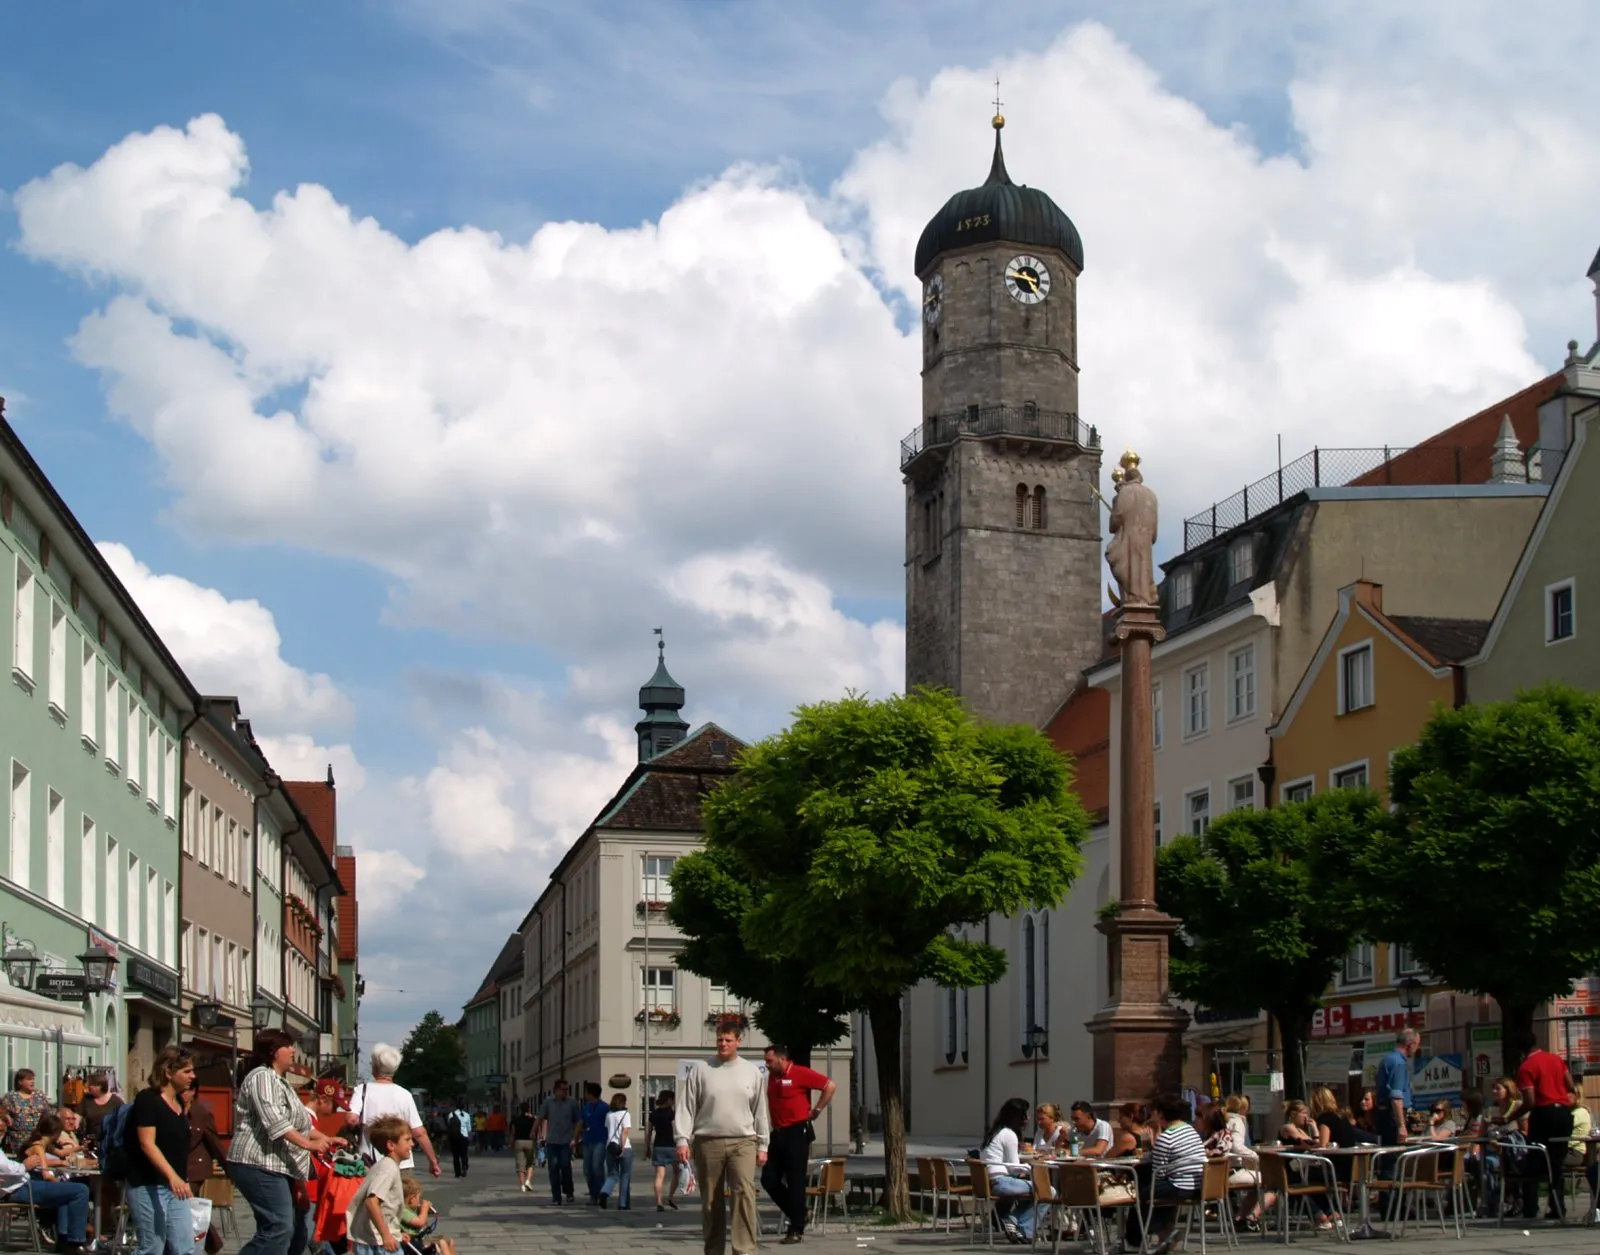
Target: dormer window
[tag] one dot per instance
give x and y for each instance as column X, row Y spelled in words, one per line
column 1241, row 561
column 1182, row 587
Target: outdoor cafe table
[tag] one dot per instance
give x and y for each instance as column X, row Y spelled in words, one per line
column 1362, row 1159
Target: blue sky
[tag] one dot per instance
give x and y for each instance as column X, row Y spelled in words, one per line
column 524, row 441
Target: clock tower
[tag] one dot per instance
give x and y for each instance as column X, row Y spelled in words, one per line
column 1002, row 532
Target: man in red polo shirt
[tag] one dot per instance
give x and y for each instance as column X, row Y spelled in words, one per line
column 1546, row 1086
column 789, row 1090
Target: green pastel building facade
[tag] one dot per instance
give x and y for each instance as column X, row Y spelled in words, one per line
column 93, row 712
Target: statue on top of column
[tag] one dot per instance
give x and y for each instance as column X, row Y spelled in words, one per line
column 1131, row 553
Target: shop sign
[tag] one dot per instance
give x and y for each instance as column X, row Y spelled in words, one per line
column 1258, row 1088
column 142, row 974
column 1484, row 1041
column 1328, row 1062
column 1346, row 1020
column 60, row 985
column 1434, row 1078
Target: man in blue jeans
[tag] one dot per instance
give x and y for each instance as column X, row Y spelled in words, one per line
column 69, row 1198
column 1394, row 1100
column 559, row 1118
column 595, row 1111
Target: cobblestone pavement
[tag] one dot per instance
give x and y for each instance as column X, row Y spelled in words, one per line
column 486, row 1213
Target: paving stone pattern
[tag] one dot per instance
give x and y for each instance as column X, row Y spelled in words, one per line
column 486, row 1213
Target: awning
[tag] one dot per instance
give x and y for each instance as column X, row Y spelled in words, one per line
column 36, row 1018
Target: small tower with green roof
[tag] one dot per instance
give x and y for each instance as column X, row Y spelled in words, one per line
column 661, row 699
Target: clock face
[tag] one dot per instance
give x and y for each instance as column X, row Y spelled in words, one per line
column 1027, row 279
column 933, row 301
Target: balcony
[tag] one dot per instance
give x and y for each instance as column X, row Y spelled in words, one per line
column 1023, row 422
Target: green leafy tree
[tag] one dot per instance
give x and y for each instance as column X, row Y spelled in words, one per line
column 710, row 899
column 868, row 830
column 433, row 1058
column 1260, row 928
column 1489, row 868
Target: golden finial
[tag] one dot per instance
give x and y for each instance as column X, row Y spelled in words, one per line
column 1130, row 460
column 999, row 118
column 1116, row 475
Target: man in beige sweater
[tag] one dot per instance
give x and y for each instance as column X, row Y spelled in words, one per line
column 722, row 1124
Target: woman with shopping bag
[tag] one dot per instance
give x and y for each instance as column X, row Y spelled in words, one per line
column 157, row 1148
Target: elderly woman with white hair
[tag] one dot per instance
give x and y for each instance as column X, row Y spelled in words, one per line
column 382, row 1097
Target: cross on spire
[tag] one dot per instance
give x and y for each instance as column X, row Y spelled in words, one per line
column 997, row 100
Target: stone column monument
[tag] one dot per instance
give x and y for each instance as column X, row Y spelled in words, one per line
column 1138, row 1034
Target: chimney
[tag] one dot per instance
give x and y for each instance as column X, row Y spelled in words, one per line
column 330, row 775
column 1368, row 594
column 1505, row 461
column 1594, row 277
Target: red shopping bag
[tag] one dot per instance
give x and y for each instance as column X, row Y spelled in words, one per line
column 334, row 1195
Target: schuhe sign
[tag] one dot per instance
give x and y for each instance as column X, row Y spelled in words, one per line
column 1356, row 1020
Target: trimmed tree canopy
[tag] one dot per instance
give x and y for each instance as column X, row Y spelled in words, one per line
column 1260, row 927
column 853, row 842
column 1489, row 869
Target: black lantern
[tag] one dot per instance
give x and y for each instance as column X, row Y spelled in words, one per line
column 261, row 1011
column 207, row 1013
column 1410, row 991
column 98, row 965
column 310, row 1042
column 21, row 963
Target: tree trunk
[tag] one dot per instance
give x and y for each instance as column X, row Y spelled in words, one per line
column 1292, row 1032
column 1516, row 1020
column 885, row 1015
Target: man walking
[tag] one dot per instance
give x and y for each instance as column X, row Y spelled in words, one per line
column 791, row 1113
column 1546, row 1086
column 559, row 1118
column 595, row 1111
column 1394, row 1088
column 722, row 1124
column 459, row 1125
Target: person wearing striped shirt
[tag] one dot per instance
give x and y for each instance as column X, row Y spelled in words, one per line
column 1177, row 1162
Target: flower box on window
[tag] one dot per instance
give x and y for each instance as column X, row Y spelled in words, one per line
column 728, row 1019
column 662, row 1017
column 651, row 906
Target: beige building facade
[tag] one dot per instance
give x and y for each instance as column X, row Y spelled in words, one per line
column 223, row 776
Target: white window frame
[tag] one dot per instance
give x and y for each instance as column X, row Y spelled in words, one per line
column 89, row 698
column 1289, row 788
column 1157, row 723
column 1183, row 588
column 1189, row 813
column 89, row 871
column 20, row 830
column 133, row 923
column 657, row 993
column 1239, row 711
column 1033, row 961
column 57, row 670
column 1345, row 707
column 655, row 877
column 1191, row 730
column 1241, row 561
column 1346, row 980
column 1403, row 963
column 114, row 878
column 152, row 756
column 1570, row 587
column 55, row 847
column 1360, row 765
column 113, row 719
column 1233, row 792
column 720, row 1000
column 23, row 645
column 169, row 903
column 131, row 766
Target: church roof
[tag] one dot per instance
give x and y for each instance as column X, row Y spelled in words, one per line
column 998, row 210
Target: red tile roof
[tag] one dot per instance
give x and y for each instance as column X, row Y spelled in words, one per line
column 319, row 802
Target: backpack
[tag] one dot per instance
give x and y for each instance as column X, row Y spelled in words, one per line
column 113, row 1144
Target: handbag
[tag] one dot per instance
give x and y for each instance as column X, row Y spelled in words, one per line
column 200, row 1215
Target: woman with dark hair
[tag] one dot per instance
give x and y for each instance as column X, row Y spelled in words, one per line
column 22, row 1107
column 274, row 1138
column 1009, row 1178
column 157, row 1149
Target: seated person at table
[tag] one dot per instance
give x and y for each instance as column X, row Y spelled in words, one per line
column 1094, row 1134
column 39, row 1157
column 1582, row 1127
column 1297, row 1133
column 1335, row 1129
column 1009, row 1180
column 1054, row 1132
column 1244, row 1166
column 68, row 1199
column 1237, row 1110
column 1441, row 1121
column 1367, row 1111
column 67, row 1144
column 1132, row 1138
column 1176, row 1163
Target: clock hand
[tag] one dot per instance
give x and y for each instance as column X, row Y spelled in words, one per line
column 1022, row 276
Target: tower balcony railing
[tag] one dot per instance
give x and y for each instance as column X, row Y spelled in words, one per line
column 1026, row 421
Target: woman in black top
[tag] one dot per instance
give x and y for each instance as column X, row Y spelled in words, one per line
column 523, row 1148
column 1333, row 1129
column 660, row 1143
column 157, row 1147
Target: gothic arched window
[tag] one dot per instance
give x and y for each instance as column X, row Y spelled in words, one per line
column 1034, row 1000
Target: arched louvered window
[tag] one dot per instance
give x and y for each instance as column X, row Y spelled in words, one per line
column 1037, row 517
column 1022, row 505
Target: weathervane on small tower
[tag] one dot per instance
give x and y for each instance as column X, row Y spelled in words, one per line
column 661, row 642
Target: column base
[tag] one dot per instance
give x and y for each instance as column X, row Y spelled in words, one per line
column 1138, row 1053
